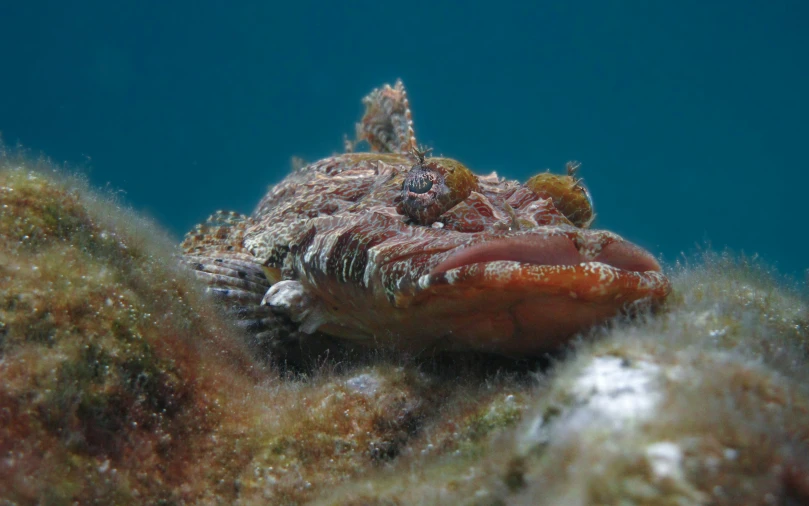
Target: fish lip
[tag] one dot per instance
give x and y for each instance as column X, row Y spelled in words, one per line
column 605, row 269
column 550, row 250
column 588, row 281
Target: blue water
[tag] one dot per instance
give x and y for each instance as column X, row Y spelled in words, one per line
column 691, row 120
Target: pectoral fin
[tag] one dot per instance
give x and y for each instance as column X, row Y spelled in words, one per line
column 234, row 277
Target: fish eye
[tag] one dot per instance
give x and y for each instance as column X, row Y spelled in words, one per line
column 420, row 185
column 433, row 186
column 569, row 196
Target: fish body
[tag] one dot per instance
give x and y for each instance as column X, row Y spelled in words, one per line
column 397, row 249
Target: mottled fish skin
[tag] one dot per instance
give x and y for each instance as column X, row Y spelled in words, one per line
column 393, row 248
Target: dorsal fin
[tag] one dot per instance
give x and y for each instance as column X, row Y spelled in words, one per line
column 387, row 124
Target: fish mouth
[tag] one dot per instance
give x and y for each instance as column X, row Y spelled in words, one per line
column 599, row 267
column 558, row 250
column 525, row 295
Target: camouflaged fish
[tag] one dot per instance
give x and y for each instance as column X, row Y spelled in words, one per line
column 395, row 248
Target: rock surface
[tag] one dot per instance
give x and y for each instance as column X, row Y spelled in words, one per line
column 120, row 383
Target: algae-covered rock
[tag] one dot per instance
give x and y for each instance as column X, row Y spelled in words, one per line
column 115, row 374
column 703, row 403
column 121, row 384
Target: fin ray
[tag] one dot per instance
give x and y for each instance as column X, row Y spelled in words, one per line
column 387, row 124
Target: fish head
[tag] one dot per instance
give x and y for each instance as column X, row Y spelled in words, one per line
column 491, row 264
column 418, row 251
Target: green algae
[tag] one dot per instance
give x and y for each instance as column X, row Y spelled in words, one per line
column 120, row 383
column 102, row 387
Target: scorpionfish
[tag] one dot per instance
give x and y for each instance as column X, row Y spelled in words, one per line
column 395, row 248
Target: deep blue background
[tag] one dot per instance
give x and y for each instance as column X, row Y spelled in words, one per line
column 691, row 120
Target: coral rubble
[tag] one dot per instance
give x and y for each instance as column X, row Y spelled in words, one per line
column 120, row 383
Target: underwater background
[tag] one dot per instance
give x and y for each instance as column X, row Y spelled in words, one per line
column 690, row 119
